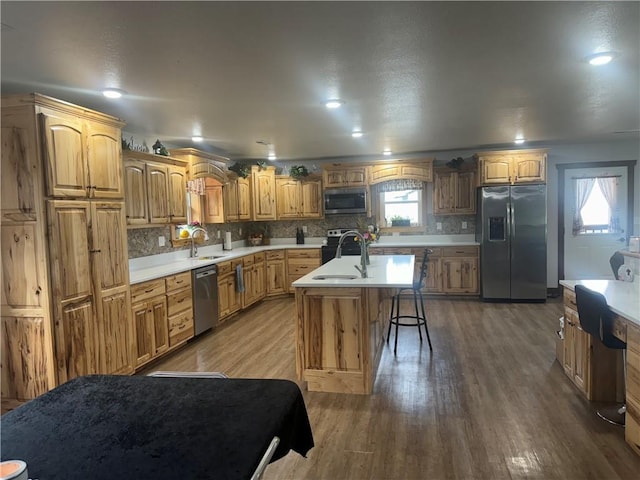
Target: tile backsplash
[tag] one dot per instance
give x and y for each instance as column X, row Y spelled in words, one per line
column 144, row 241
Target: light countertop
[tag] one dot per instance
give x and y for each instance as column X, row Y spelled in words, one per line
column 623, row 298
column 385, row 271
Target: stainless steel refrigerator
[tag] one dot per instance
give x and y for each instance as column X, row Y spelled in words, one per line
column 512, row 232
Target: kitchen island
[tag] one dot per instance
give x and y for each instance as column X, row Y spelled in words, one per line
column 341, row 319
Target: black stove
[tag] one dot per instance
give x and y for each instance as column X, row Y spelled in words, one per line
column 349, row 244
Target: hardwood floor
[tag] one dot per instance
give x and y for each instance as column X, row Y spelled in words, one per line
column 489, row 402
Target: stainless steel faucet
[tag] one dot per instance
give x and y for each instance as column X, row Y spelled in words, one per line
column 363, row 251
column 194, row 248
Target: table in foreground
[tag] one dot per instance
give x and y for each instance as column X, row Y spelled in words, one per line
column 341, row 321
column 106, row 427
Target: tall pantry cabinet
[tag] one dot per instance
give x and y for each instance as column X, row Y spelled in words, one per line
column 66, row 308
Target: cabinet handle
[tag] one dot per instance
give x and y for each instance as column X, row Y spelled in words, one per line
column 148, row 290
column 94, row 251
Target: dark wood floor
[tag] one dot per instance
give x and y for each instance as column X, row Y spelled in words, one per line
column 489, row 402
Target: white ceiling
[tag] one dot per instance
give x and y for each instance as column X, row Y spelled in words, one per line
column 416, row 76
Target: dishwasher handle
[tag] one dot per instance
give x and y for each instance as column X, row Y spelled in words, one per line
column 206, row 273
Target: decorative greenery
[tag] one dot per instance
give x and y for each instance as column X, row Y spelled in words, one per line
column 298, row 171
column 400, row 221
column 126, row 145
column 159, row 149
column 261, row 164
column 455, row 163
column 240, row 169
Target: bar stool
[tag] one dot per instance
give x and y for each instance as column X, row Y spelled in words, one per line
column 419, row 317
column 597, row 320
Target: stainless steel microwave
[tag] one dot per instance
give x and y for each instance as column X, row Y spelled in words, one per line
column 345, row 200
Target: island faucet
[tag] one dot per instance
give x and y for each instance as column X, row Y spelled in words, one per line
column 194, row 248
column 363, row 251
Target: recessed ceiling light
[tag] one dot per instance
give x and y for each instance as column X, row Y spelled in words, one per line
column 196, row 138
column 334, row 103
column 601, row 58
column 519, row 140
column 272, row 156
column 112, row 92
column 386, row 152
column 356, row 134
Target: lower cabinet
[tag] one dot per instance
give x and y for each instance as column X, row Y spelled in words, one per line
column 301, row 261
column 150, row 323
column 229, row 298
column 254, row 279
column 179, row 308
column 632, row 420
column 276, row 273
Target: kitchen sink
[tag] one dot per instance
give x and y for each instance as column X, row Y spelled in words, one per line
column 336, row 277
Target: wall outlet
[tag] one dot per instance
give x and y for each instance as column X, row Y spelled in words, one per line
column 464, row 225
column 304, row 229
column 438, row 225
column 161, row 241
column 218, row 234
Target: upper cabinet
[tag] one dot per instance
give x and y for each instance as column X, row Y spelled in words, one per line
column 336, row 176
column 213, row 205
column 297, row 199
column 454, row 191
column 236, row 199
column 420, row 170
column 263, row 193
column 82, row 160
column 513, row 167
column 155, row 189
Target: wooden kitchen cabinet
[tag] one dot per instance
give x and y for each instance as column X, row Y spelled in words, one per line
column 419, row 170
column 301, row 261
column 179, row 308
column 336, row 176
column 632, row 420
column 454, row 192
column 276, row 273
column 254, row 279
column 64, row 248
column 229, row 299
column 298, row 199
column 155, row 189
column 263, row 193
column 586, row 361
column 459, row 270
column 237, row 199
column 152, row 336
column 213, row 202
column 510, row 167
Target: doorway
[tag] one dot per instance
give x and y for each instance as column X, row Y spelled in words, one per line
column 589, row 232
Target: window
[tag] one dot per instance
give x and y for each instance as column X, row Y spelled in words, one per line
column 402, row 203
column 595, row 205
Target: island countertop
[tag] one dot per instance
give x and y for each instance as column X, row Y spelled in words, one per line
column 622, row 298
column 384, row 271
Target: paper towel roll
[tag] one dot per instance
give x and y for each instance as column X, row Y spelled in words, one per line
column 227, row 241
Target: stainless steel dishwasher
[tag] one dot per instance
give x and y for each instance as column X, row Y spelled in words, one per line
column 205, row 298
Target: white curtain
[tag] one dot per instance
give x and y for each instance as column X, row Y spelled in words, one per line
column 583, row 189
column 196, row 186
column 609, row 187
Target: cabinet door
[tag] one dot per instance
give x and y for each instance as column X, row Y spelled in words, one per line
column 110, row 273
column 459, row 275
column 158, row 308
column 244, row 199
column 235, row 297
column 104, row 158
column 311, row 193
column 213, row 204
column 230, row 192
column 143, row 324
column 259, row 284
column 263, row 194
column 334, row 178
column 249, row 294
column 443, row 192
column 288, row 198
column 465, row 193
column 276, row 277
column 568, row 342
column 75, row 340
column 65, row 156
column 433, row 282
column 158, row 193
column 135, row 192
column 356, row 177
column 177, row 194
column 529, row 167
column 224, row 294
column 495, row 170
column 581, row 346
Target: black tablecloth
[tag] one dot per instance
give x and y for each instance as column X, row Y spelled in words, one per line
column 119, row 427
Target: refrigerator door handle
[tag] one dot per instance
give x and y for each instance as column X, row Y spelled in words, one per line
column 512, row 220
column 508, row 221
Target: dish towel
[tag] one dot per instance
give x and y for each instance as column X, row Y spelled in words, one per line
column 239, row 279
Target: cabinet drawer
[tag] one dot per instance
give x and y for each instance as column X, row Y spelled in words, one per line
column 469, row 251
column 180, row 328
column 179, row 301
column 304, row 253
column 275, row 255
column 258, row 257
column 179, row 280
column 300, row 269
column 248, row 260
column 620, row 329
column 398, row 251
column 223, row 268
column 569, row 298
column 146, row 290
